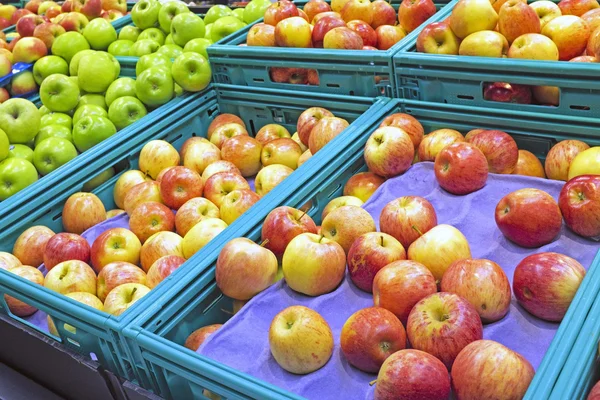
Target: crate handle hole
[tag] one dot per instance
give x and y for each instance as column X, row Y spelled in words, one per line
column 582, row 108
column 73, row 342
column 465, row 97
column 259, row 80
column 334, row 191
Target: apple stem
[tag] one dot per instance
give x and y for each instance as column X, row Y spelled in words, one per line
column 321, row 238
column 264, row 243
column 303, row 214
column 381, row 237
column 373, row 382
column 227, row 311
column 418, row 231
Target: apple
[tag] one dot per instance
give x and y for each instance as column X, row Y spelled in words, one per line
column 219, row 166
column 29, row 50
column 461, row 168
column 114, row 212
column 21, row 151
column 224, row 27
column 308, row 120
column 168, row 11
column 389, row 151
column 196, row 338
column 8, row 261
column 282, row 225
column 192, row 212
column 370, row 336
column 324, row 131
column 220, row 185
column 545, row 284
column 23, row 84
column 314, row 7
column 411, row 14
column 484, row 44
column 99, row 33
column 269, row 177
column 47, row 66
column 304, row 157
column 7, row 11
column 52, row 153
column 407, row 218
column 200, row 234
column 321, row 27
column 196, row 45
column 158, row 245
column 116, row 274
column 279, row 11
column 124, row 296
column 435, row 141
column 94, row 72
column 73, row 22
column 533, row 46
column 116, row 244
column 191, row 71
column 179, row 185
column 162, row 268
column 59, row 93
column 363, row 185
column 153, row 34
column 296, row 76
column 157, row 155
column 577, row 7
column 412, row 374
column 408, row 124
column 340, row 202
column 244, row 152
column 198, row 153
column 345, row 224
column 27, row 24
column 528, row 217
column 486, row 369
column 71, row 276
column 343, row 38
column 261, row 35
column 185, row 27
column 586, row 162
column 82, row 211
column 591, row 18
column 237, row 203
column 18, row 14
column 568, row 25
column 516, row 18
column 284, row 151
column 141, row 193
column 221, row 120
column 30, row 245
column 92, row 130
column 90, row 8
column 579, row 202
column 64, row 247
column 68, row 44
column 271, row 132
column 15, row 174
column 150, row 218
column 125, row 182
column 54, row 130
column 17, row 307
column 561, row 156
column 227, row 131
column 469, row 16
column 500, row 150
column 546, row 11
column 548, row 95
column 145, row 13
column 293, row 32
column 529, row 165
column 53, row 12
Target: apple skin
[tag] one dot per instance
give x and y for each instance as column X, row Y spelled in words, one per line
column 545, row 284
column 357, row 10
column 125, row 182
column 389, row 152
column 368, row 254
column 322, row 27
column 484, row 44
column 313, row 264
column 412, row 375
column 198, row 153
column 586, row 163
column 370, row 336
column 124, row 296
column 388, row 36
column 296, row 76
column 179, row 185
column 315, row 7
column 220, row 120
column 363, row 185
column 304, row 158
column 118, row 273
column 438, row 38
column 342, row 38
column 577, row 7
column 307, row 121
column 485, row 369
column 284, row 151
column 340, row 202
column 237, row 203
column 569, row 33
column 442, row 324
column 399, row 216
column 408, row 124
column 579, row 203
column 269, row 177
column 162, row 268
column 383, row 14
column 324, row 131
column 8, row 261
column 82, row 211
column 245, row 269
column 500, row 150
column 150, row 218
column 141, row 193
column 592, row 19
column 533, row 46
column 27, row 24
column 482, row 283
column 279, row 11
column 282, row 225
column 192, row 212
column 227, row 131
column 546, row 11
column 461, row 168
column 560, row 157
column 364, row 30
column 220, row 185
column 345, row 224
column 30, row 245
column 244, row 152
column 516, row 18
column 271, row 132
column 219, row 166
column 116, row 244
column 400, row 285
column 200, row 234
column 595, row 392
column 470, row 16
column 412, row 14
column 157, row 155
column 300, row 340
column 29, row 50
column 64, row 247
column 71, row 276
column 47, row 32
column 435, row 141
column 196, row 338
column 529, row 165
column 293, row 32
column 158, row 245
column 528, row 217
column 17, row 307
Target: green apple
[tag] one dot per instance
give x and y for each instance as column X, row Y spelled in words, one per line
column 224, row 27
column 239, row 14
column 98, row 179
column 56, row 118
column 47, row 66
column 15, row 174
column 153, row 33
column 88, row 110
column 81, row 91
column 255, row 10
column 129, row 32
column 114, row 61
column 100, row 34
column 20, row 120
column 146, row 46
column 191, row 71
column 125, row 110
column 197, row 46
column 178, row 90
column 152, row 60
column 216, row 12
column 120, row 88
column 91, row 130
column 44, row 111
column 20, row 151
column 52, row 153
column 68, row 44
column 59, row 93
column 120, row 47
column 185, row 27
column 74, row 64
column 96, row 72
column 169, row 39
column 145, row 13
column 208, row 32
column 170, row 50
column 168, row 12
column 4, row 145
column 91, row 98
column 154, row 86
column 49, row 131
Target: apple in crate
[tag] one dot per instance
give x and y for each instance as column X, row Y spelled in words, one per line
column 245, row 269
column 340, row 202
column 194, row 211
column 370, row 336
column 488, row 370
column 162, row 268
column 282, row 225
column 17, row 307
column 528, row 217
column 141, row 193
column 383, row 14
column 595, row 392
column 261, row 35
column 179, row 185
column 118, row 273
column 300, row 340
column 196, row 338
column 271, row 132
column 586, row 163
column 322, row 27
column 157, row 155
column 220, row 120
column 546, row 283
column 389, row 152
column 470, row 16
column 64, row 247
column 345, row 224
column 533, row 46
column 124, row 296
column 158, row 245
column 125, row 182
column 408, row 124
column 237, row 203
column 568, row 26
column 314, row 7
column 284, row 151
column 412, row 375
column 438, row 38
column 442, row 324
column 411, row 14
column 363, row 185
column 435, row 141
column 82, row 211
column 500, row 150
column 227, row 131
column 577, row 7
column 529, row 165
column 244, row 152
column 482, row 283
column 8, row 261
column 150, row 218
column 407, row 218
column 461, row 168
column 579, row 203
column 200, row 234
column 82, row 297
column 324, row 131
column 71, row 276
column 546, row 11
column 220, row 185
column 308, row 120
column 30, row 245
column 491, row 44
column 27, row 24
column 293, row 32
column 560, row 157
column 219, row 166
column 516, row 18
column 116, row 244
column 279, row 11
column 269, row 177
column 388, row 36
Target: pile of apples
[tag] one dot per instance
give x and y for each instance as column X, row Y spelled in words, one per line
column 402, row 268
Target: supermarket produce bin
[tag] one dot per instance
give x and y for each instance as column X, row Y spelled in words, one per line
column 352, row 72
column 156, row 338
column 98, row 334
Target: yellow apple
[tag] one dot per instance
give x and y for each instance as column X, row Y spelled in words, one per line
column 124, row 296
column 469, row 16
column 200, row 234
column 586, row 163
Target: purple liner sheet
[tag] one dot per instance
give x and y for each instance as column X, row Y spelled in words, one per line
column 243, row 341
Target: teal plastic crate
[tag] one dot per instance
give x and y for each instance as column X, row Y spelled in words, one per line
column 350, row 72
column 98, row 333
column 460, row 80
column 155, row 339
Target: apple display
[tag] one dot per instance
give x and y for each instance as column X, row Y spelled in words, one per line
column 200, row 234
column 237, row 203
column 533, row 46
column 411, row 14
column 17, row 307
column 194, row 211
column 321, row 27
column 438, row 38
column 271, row 132
column 71, row 276
column 178, row 185
column 279, row 11
column 219, row 166
column 407, row 218
column 30, row 246
column 345, row 224
column 586, row 162
column 435, row 141
column 162, row 268
column 158, row 245
column 116, row 244
column 569, row 33
column 191, row 71
column 284, row 151
column 20, row 120
column 124, row 296
column 577, row 7
column 293, row 32
column 198, row 153
column 469, row 16
column 227, row 131
column 579, row 203
column 269, row 177
column 461, row 168
column 125, row 182
column 388, row 36
column 363, row 185
column 546, row 11
column 115, row 274
column 65, row 247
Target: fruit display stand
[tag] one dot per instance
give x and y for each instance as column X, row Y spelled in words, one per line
column 351, row 72
column 156, row 337
column 97, row 334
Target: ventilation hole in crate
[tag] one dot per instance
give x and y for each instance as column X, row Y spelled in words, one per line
column 334, row 191
column 333, row 85
column 252, row 128
column 465, row 97
column 352, row 93
column 259, row 80
column 157, row 324
column 583, row 108
column 194, row 134
column 57, row 216
column 212, row 304
column 175, row 138
column 73, row 342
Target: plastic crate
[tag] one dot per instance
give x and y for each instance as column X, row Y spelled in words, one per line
column 350, row 72
column 460, row 80
column 155, row 338
column 98, row 333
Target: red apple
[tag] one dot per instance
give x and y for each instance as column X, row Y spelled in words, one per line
column 365, row 31
column 30, row 245
column 389, row 151
column 408, row 124
column 271, row 132
column 317, row 17
column 220, row 185
column 370, row 336
column 162, row 268
column 18, row 307
column 500, row 150
column 74, row 22
column 577, row 7
column 116, row 274
column 178, row 185
column 47, row 32
column 528, row 217
column 27, row 24
column 282, row 225
column 529, row 165
column 296, row 76
column 560, row 157
column 461, row 168
column 226, row 132
column 307, row 121
column 279, row 11
column 324, row 131
column 595, row 392
column 584, row 59
column 388, row 36
column 363, row 185
column 435, row 141
column 342, row 38
column 141, row 193
column 90, row 8
column 65, row 247
column 261, row 35
column 196, row 338
column 29, row 50
column 82, row 211
column 244, row 152
column 579, row 203
column 516, row 18
column 158, row 245
column 383, row 14
column 194, row 211
column 345, row 224
column 507, row 93
column 150, row 218
column 33, row 5
column 407, row 218
column 314, row 7
column 116, row 244
column 17, row 15
column 413, row 13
